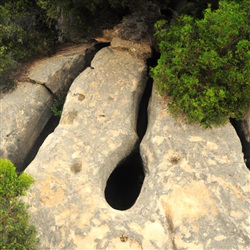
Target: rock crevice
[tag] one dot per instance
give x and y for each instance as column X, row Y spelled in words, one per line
column 26, row 110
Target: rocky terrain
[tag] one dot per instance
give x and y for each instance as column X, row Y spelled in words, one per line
column 193, row 192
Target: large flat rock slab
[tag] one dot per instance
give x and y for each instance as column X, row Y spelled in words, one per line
column 58, row 72
column 97, row 130
column 23, row 114
column 197, row 181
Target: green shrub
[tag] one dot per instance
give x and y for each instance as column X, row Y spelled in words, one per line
column 55, row 8
column 82, row 19
column 204, row 64
column 23, row 35
column 15, row 231
column 57, row 107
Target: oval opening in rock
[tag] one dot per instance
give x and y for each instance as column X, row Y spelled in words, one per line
column 124, row 184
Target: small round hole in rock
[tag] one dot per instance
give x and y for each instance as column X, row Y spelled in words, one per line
column 76, row 167
column 124, row 184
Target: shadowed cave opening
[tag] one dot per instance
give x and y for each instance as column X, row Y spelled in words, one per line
column 125, row 182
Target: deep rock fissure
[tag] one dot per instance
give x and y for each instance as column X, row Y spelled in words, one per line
column 53, row 122
column 245, row 144
column 125, row 182
column 142, row 120
column 47, row 130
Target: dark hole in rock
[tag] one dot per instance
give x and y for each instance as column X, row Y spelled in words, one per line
column 124, row 184
column 175, row 159
column 76, row 167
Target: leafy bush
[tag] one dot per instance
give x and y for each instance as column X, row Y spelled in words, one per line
column 15, row 231
column 79, row 20
column 55, row 8
column 204, row 64
column 23, row 34
column 28, row 28
column 57, row 107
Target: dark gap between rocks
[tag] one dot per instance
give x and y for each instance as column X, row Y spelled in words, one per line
column 245, row 144
column 54, row 120
column 124, row 185
column 47, row 130
column 92, row 52
column 142, row 120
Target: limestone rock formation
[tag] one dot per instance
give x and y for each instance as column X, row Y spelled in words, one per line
column 142, row 49
column 26, row 110
column 23, row 114
column 195, row 194
column 58, row 72
column 197, row 182
column 97, row 130
column 196, row 190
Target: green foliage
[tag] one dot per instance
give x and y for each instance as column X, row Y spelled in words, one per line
column 57, row 107
column 15, row 231
column 23, row 35
column 56, row 8
column 28, row 28
column 121, row 4
column 204, row 64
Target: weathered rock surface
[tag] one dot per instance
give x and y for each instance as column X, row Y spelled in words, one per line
column 97, row 130
column 23, row 114
column 196, row 190
column 142, row 49
column 196, row 182
column 58, row 72
column 26, row 110
column 135, row 33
